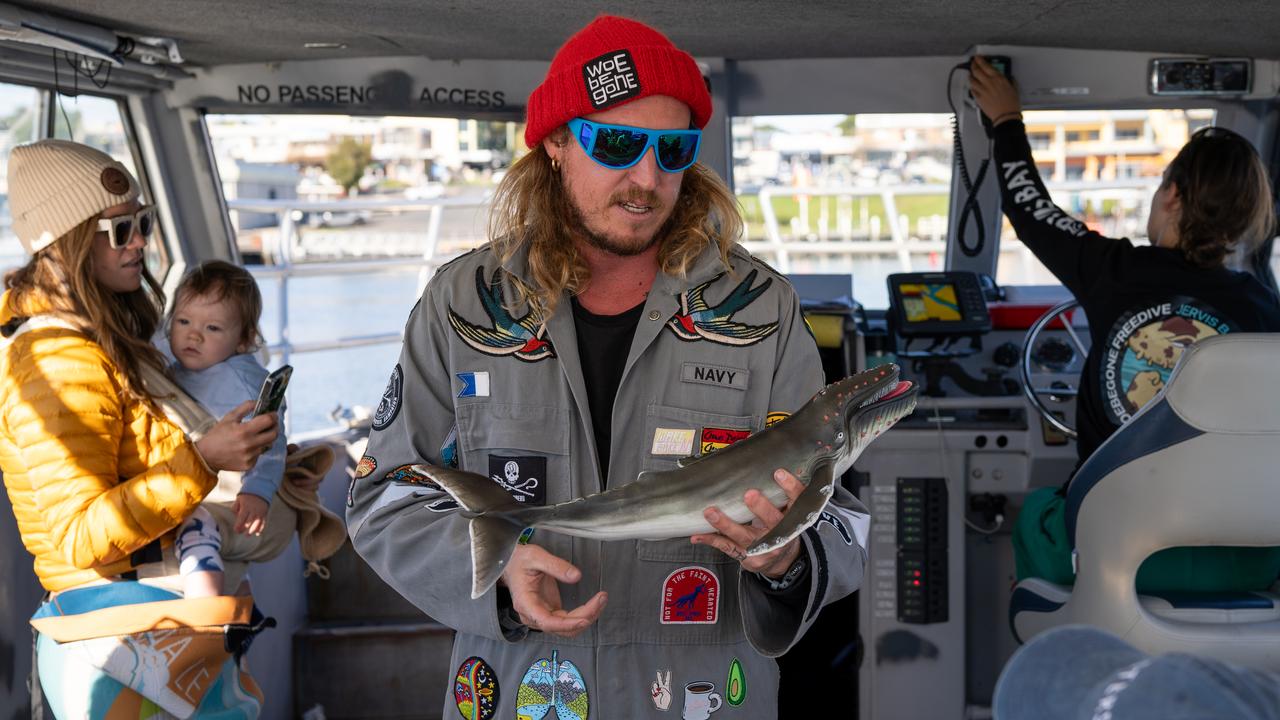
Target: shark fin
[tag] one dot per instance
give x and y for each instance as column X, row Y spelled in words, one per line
column 496, row 521
column 802, row 513
column 476, row 494
column 493, row 539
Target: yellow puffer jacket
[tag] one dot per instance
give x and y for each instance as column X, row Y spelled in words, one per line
column 93, row 476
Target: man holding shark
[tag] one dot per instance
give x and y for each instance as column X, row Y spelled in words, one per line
column 612, row 327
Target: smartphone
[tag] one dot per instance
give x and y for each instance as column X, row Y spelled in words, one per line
column 271, row 397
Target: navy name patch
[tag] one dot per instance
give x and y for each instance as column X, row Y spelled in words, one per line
column 714, row 375
column 611, row 78
column 525, row 477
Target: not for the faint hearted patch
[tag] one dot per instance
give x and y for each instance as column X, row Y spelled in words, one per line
column 691, row 595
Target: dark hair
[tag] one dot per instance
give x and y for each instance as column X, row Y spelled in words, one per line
column 218, row 280
column 1225, row 194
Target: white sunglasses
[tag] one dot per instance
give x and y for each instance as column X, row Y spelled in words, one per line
column 120, row 229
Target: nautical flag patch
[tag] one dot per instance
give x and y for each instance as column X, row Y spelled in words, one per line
column 474, row 384
column 611, row 78
column 525, row 477
column 389, row 406
column 715, row 438
column 673, row 441
column 691, row 595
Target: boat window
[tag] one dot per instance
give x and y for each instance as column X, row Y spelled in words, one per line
column 1102, row 166
column 102, row 123
column 19, row 123
column 863, row 194
column 342, row 220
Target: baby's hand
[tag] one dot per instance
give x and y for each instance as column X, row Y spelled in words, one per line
column 251, row 514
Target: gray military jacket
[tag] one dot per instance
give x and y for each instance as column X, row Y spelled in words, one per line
column 493, row 391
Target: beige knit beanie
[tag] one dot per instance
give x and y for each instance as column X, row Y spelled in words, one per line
column 54, row 185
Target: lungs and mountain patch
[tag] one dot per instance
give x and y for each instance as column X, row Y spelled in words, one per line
column 1143, row 346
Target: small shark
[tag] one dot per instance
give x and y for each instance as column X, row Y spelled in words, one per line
column 817, row 444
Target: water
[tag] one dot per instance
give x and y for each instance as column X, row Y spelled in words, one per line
column 332, row 308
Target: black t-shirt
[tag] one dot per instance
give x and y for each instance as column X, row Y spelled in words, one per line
column 603, row 344
column 1144, row 304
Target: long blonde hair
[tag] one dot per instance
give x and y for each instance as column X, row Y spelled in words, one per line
column 531, row 207
column 60, row 279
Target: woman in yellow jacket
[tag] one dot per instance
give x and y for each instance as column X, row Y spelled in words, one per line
column 96, row 474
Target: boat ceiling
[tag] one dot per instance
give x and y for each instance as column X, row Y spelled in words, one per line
column 240, row 31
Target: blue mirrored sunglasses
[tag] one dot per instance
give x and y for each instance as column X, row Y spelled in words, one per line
column 619, row 147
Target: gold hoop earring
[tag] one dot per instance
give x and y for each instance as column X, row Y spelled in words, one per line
column 555, row 165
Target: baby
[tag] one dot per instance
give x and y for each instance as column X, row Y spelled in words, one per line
column 213, row 333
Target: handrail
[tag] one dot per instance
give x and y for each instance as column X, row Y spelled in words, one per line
column 284, row 268
column 899, row 242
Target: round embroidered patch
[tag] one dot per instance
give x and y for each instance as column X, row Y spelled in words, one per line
column 389, row 407
column 475, row 689
column 366, row 466
column 115, row 182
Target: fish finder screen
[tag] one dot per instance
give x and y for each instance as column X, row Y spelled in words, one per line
column 926, row 302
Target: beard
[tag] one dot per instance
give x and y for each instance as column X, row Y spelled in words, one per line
column 614, row 245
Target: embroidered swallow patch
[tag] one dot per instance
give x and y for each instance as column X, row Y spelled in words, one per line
column 716, row 438
column 672, row 441
column 523, row 338
column 691, row 595
column 474, row 384
column 699, row 320
column 475, row 689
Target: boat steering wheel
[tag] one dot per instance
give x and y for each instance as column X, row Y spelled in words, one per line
column 1058, row 390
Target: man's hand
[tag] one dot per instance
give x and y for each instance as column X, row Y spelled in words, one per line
column 532, row 577
column 995, row 95
column 251, row 513
column 734, row 539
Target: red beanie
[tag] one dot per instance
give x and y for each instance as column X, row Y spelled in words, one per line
column 608, row 63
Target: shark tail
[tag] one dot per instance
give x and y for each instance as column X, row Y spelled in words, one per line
column 496, row 522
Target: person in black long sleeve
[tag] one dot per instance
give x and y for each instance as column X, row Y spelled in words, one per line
column 1145, row 305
